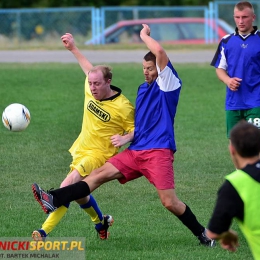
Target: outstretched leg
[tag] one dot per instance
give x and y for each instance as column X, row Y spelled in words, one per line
column 53, row 199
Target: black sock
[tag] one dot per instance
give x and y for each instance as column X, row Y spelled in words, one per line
column 75, row 191
column 191, row 222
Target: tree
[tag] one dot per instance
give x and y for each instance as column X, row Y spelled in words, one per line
column 95, row 3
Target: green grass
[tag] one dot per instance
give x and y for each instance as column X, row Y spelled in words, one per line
column 143, row 229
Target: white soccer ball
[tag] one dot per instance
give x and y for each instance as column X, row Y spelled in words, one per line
column 16, row 117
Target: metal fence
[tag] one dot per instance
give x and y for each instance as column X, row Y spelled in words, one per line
column 40, row 27
column 43, row 27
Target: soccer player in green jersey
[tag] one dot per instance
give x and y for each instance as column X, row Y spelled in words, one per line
column 239, row 195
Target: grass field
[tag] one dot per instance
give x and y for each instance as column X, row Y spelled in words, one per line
column 143, row 229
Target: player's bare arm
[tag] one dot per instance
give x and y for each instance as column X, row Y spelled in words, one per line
column 120, row 140
column 232, row 83
column 154, row 47
column 69, row 44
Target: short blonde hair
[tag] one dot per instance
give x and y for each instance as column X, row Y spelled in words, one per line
column 106, row 71
column 242, row 5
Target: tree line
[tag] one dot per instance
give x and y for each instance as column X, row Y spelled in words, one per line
column 96, row 3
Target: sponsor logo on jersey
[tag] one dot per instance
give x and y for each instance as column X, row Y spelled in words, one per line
column 244, row 46
column 98, row 111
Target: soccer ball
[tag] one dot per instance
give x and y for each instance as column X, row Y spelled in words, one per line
column 16, row 117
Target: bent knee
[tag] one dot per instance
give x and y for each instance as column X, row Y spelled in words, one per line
column 167, row 203
column 177, row 207
column 71, row 178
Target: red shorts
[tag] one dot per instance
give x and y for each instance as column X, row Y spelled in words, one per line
column 155, row 164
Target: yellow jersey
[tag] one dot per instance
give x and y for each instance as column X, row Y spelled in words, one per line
column 101, row 120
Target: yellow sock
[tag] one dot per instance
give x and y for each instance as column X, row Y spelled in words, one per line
column 92, row 209
column 53, row 219
column 93, row 215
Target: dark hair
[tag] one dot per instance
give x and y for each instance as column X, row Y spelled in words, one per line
column 150, row 57
column 245, row 137
column 106, row 71
column 242, row 5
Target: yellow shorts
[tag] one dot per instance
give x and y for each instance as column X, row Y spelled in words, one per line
column 85, row 163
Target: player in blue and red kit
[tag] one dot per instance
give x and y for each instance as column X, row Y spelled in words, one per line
column 151, row 153
column 237, row 63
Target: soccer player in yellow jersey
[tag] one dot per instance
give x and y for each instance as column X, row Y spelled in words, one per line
column 108, row 123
